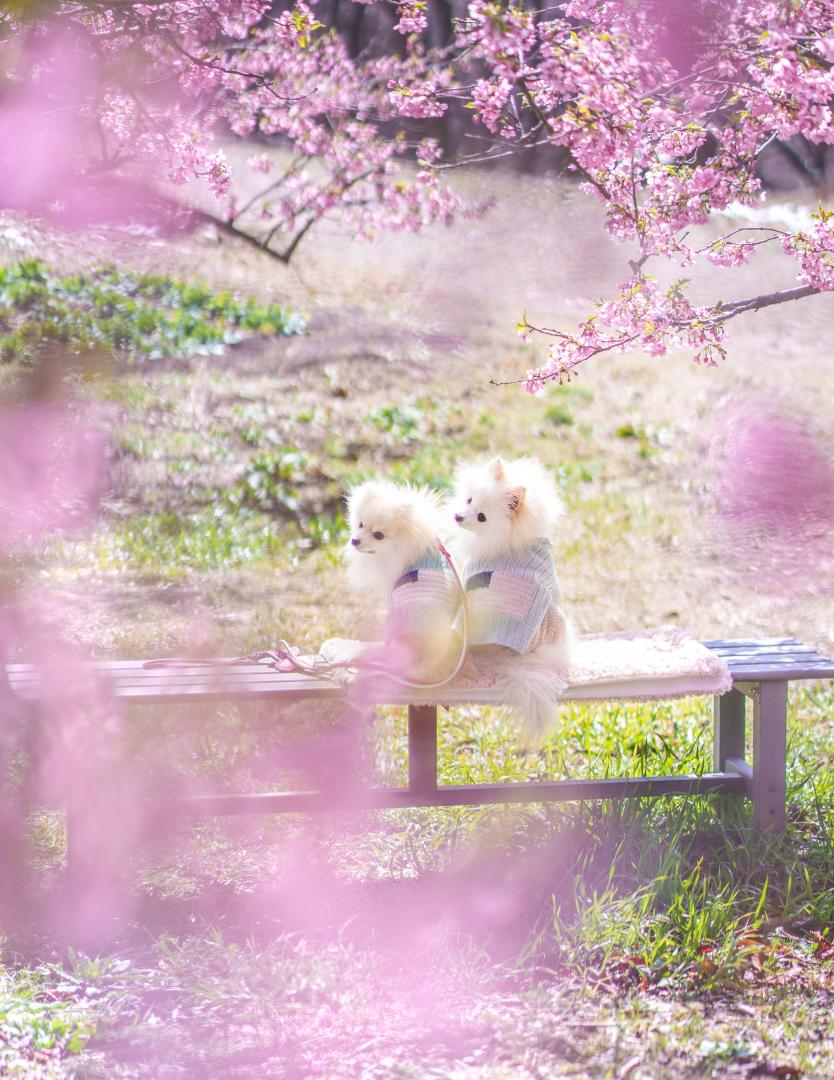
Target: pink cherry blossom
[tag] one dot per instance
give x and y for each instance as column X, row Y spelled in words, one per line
column 663, row 113
column 771, row 489
column 52, row 471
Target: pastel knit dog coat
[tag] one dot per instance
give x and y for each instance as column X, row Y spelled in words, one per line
column 423, row 600
column 515, row 599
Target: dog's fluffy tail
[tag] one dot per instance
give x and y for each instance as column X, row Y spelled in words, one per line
column 533, row 695
column 535, row 684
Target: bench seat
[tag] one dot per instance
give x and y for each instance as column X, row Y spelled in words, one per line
column 257, row 682
column 760, row 670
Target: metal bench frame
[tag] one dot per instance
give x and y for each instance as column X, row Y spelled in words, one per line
column 761, row 671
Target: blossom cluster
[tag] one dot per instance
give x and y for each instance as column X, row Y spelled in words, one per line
column 663, row 111
column 643, row 315
column 814, row 250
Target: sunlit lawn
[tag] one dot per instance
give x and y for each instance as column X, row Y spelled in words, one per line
column 642, row 939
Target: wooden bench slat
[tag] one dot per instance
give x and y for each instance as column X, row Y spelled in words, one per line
column 788, row 673
column 765, row 660
column 732, row 642
column 198, row 694
column 171, row 678
column 241, row 678
column 774, row 663
column 788, row 646
column 138, row 671
column 770, row 650
column 284, row 687
column 789, row 664
column 772, row 659
column 778, row 663
column 267, row 679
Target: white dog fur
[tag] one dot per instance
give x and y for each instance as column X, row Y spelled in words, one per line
column 392, row 527
column 504, row 507
column 501, row 509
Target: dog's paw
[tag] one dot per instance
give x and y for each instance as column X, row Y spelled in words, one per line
column 340, row 650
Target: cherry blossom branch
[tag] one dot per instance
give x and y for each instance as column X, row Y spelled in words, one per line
column 756, row 303
column 663, row 120
column 703, row 325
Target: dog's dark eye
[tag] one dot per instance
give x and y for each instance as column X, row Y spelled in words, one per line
column 481, row 517
column 469, row 500
column 361, row 524
column 379, row 536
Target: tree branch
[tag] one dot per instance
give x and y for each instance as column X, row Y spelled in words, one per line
column 721, row 314
column 755, row 303
column 206, row 218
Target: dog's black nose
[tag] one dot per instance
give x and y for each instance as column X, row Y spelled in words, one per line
column 355, row 541
column 458, row 518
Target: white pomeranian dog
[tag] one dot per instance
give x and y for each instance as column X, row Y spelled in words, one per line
column 394, row 556
column 506, row 515
column 392, row 528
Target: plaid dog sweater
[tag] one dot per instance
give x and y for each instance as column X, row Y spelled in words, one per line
column 516, row 600
column 423, row 600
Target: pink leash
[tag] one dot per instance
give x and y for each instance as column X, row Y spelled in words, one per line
column 283, row 658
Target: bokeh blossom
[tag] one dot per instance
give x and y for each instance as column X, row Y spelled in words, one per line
column 52, row 471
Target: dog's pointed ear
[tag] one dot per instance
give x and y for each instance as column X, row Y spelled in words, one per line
column 515, row 499
column 498, row 469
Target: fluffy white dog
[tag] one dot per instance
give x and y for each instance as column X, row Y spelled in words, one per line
column 394, row 557
column 392, row 527
column 506, row 515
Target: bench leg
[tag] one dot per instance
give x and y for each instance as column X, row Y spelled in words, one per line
column 728, row 728
column 422, row 748
column 770, row 706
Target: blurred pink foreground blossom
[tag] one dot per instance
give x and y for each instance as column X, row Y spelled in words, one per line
column 773, row 489
column 52, row 472
column 52, row 98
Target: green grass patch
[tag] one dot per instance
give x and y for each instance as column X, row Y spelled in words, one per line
column 126, row 314
column 559, row 415
column 45, row 1019
column 206, row 540
column 270, row 480
column 224, row 537
column 648, row 439
column 432, row 465
column 401, row 421
column 169, row 542
column 559, row 412
column 287, row 483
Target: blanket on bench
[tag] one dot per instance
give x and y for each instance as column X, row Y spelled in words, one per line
column 662, row 663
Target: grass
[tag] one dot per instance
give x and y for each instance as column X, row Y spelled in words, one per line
column 640, row 918
column 127, row 314
column 43, row 1021
column 213, row 538
column 630, row 941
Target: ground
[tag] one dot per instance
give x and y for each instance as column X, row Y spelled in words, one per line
column 585, row 941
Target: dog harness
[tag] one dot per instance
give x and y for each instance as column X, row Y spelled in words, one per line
column 424, row 599
column 515, row 600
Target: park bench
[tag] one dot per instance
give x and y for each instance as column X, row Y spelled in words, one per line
column 761, row 672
